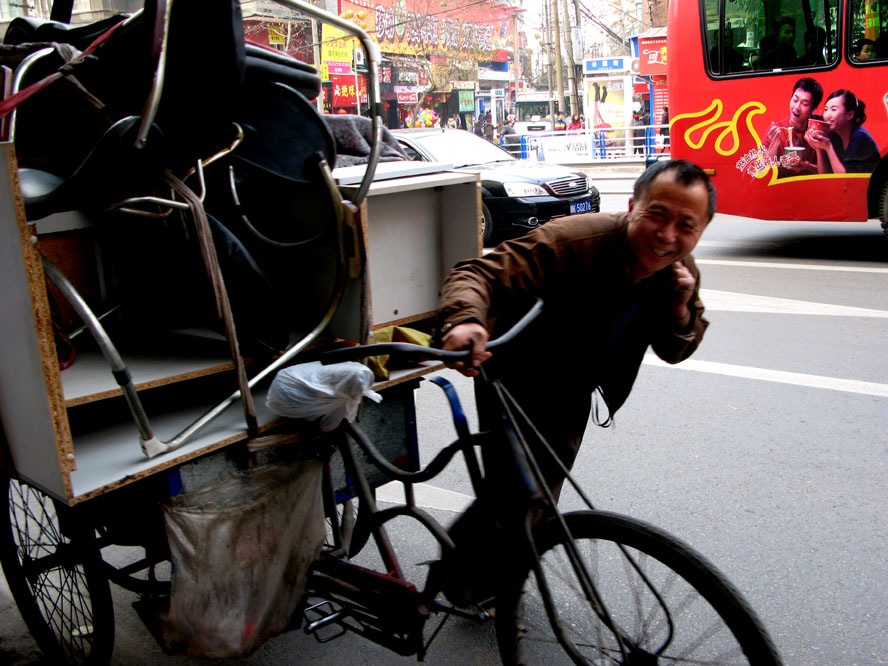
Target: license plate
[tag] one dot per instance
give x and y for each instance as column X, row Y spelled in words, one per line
column 580, row 207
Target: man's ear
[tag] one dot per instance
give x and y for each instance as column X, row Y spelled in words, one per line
column 631, row 203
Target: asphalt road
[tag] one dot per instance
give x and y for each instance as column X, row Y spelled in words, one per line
column 767, row 451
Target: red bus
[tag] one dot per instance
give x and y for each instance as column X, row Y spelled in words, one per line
column 785, row 103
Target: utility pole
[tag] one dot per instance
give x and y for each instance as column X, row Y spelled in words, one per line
column 516, row 57
column 559, row 79
column 549, row 62
column 571, row 64
column 316, row 54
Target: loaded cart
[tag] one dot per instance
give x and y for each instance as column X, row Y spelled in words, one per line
column 176, row 231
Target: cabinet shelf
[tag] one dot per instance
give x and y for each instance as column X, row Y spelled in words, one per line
column 69, row 432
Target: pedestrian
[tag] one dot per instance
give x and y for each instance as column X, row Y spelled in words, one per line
column 637, row 134
column 612, row 286
column 559, row 125
column 576, row 122
column 508, row 138
column 489, row 129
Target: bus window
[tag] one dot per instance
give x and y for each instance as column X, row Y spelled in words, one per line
column 775, row 34
column 868, row 28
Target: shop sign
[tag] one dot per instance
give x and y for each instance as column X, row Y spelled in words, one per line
column 337, row 50
column 463, row 85
column 276, row 34
column 466, row 101
column 411, row 26
column 346, row 89
column 652, row 55
column 408, row 97
column 407, row 76
column 597, row 65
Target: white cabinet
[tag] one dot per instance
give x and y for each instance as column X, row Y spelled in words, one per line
column 68, row 431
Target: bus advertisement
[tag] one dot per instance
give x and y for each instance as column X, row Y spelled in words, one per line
column 785, row 104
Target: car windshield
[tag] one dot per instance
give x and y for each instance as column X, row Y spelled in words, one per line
column 461, row 148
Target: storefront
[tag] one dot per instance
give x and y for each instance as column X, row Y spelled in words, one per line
column 652, row 70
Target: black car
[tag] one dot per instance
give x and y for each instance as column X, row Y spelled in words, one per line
column 517, row 195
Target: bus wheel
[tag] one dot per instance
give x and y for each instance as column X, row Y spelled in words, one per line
column 883, row 207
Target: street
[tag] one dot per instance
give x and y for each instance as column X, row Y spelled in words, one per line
column 766, row 451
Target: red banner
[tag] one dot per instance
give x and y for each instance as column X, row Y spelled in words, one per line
column 652, row 55
column 454, row 27
column 344, row 89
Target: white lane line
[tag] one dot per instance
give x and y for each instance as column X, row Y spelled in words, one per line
column 800, row 267
column 430, row 497
column 728, row 301
column 764, row 374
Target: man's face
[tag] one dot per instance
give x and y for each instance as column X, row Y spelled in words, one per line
column 666, row 223
column 801, row 105
column 787, row 34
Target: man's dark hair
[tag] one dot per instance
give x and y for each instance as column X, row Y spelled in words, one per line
column 811, row 86
column 786, row 20
column 686, row 173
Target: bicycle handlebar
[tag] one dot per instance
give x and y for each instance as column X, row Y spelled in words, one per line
column 419, row 352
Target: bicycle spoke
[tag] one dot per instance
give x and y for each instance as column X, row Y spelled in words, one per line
column 661, row 603
column 61, row 592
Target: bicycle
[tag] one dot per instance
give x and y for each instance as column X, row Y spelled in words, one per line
column 592, row 586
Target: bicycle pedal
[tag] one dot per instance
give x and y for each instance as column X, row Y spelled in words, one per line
column 321, row 616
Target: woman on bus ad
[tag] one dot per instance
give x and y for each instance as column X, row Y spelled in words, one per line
column 848, row 147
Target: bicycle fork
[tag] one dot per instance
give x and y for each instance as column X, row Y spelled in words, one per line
column 529, row 477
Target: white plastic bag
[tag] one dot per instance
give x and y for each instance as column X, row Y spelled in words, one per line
column 327, row 392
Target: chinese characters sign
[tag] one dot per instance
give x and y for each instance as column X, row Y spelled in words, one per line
column 652, row 55
column 336, row 51
column 346, row 87
column 452, row 27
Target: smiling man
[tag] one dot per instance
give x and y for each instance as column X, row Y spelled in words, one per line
column 612, row 286
column 790, row 131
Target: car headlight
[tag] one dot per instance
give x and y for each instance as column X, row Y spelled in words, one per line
column 524, row 190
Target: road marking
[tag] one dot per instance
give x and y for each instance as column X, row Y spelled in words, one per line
column 729, row 301
column 800, row 267
column 764, row 374
column 427, row 496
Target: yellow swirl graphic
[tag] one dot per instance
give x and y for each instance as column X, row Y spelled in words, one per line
column 727, row 128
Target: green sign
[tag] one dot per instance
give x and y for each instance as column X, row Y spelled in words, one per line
column 466, row 100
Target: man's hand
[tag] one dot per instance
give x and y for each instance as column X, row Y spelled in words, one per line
column 466, row 335
column 683, row 284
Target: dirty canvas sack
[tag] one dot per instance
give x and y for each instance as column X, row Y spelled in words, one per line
column 241, row 550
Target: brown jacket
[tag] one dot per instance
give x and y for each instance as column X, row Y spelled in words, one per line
column 596, row 324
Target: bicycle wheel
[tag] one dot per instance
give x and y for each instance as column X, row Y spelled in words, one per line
column 663, row 602
column 56, row 579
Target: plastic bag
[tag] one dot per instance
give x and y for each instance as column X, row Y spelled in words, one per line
column 328, row 392
column 241, row 549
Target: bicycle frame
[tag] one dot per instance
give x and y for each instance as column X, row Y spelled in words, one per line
column 386, row 607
